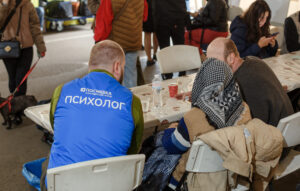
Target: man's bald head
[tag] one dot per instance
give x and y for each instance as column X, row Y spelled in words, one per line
column 225, row 50
column 105, row 54
column 221, row 48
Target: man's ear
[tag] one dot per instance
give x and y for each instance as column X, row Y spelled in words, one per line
column 117, row 69
column 231, row 58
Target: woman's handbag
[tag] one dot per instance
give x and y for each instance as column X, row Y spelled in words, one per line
column 10, row 49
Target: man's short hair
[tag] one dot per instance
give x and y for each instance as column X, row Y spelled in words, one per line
column 230, row 47
column 106, row 53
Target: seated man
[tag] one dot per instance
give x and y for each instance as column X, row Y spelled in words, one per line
column 292, row 32
column 260, row 87
column 95, row 117
column 216, row 103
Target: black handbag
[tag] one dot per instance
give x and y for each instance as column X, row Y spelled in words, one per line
column 12, row 48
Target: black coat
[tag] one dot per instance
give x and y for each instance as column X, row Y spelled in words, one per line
column 291, row 35
column 214, row 16
column 169, row 12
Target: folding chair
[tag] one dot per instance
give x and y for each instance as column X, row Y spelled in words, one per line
column 178, row 58
column 290, row 129
column 234, row 11
column 123, row 173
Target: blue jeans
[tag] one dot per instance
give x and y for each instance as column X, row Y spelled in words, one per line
column 40, row 12
column 130, row 73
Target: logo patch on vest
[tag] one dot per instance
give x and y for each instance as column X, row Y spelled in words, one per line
column 96, row 92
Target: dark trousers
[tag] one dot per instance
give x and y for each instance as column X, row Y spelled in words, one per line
column 17, row 69
column 163, row 33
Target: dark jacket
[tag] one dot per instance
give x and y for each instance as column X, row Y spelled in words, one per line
column 262, row 91
column 168, row 12
column 291, row 34
column 214, row 16
column 239, row 30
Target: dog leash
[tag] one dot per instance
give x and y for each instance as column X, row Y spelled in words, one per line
column 9, row 98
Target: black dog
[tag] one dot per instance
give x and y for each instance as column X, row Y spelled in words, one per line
column 18, row 105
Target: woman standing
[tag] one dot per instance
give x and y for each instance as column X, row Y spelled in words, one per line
column 29, row 33
column 251, row 32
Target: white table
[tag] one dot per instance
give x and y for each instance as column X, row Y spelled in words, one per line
column 171, row 111
column 286, row 67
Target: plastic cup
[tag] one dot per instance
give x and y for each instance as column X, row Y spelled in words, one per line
column 173, row 89
column 145, row 105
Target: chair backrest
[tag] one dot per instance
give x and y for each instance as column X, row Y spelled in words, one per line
column 178, row 58
column 280, row 38
column 234, row 11
column 122, row 173
column 203, row 159
column 290, row 129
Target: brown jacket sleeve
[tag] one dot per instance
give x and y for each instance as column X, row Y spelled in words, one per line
column 3, row 13
column 93, row 6
column 35, row 30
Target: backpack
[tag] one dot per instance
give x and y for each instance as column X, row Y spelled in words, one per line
column 59, row 9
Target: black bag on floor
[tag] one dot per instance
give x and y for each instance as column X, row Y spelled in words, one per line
column 83, row 9
column 59, row 9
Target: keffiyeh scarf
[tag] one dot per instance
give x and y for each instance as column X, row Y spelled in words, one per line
column 217, row 94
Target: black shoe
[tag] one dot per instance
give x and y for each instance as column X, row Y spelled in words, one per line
column 154, row 57
column 150, row 62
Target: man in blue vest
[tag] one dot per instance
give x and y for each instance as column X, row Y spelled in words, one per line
column 96, row 117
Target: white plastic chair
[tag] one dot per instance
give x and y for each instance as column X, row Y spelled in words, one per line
column 234, row 11
column 122, row 173
column 290, row 129
column 280, row 38
column 178, row 58
column 203, row 159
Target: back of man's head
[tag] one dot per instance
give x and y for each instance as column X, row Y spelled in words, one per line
column 230, row 47
column 221, row 48
column 105, row 54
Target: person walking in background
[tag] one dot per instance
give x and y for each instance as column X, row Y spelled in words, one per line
column 292, row 32
column 27, row 21
column 148, row 28
column 251, row 32
column 127, row 31
column 169, row 21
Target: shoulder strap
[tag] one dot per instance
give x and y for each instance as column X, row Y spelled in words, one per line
column 122, row 10
column 18, row 2
column 19, row 23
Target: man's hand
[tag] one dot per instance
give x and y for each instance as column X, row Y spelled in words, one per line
column 183, row 95
column 41, row 55
column 285, row 88
column 173, row 125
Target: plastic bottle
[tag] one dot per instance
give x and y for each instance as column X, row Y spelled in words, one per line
column 156, row 91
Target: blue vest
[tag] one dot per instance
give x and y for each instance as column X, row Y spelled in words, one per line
column 92, row 120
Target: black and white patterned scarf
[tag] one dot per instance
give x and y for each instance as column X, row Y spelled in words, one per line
column 217, row 94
